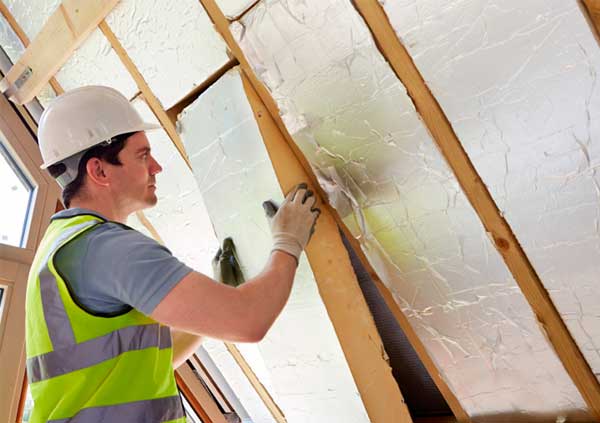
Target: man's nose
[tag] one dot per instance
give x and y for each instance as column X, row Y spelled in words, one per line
column 155, row 167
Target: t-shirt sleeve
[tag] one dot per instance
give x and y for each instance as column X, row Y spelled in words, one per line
column 137, row 270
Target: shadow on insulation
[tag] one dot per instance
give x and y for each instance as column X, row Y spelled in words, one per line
column 420, row 393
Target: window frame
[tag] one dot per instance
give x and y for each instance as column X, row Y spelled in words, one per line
column 16, row 261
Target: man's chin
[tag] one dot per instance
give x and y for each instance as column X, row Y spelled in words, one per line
column 153, row 200
column 149, row 202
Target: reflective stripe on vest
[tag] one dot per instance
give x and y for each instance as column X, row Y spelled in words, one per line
column 156, row 410
column 57, row 321
column 69, row 356
column 95, row 351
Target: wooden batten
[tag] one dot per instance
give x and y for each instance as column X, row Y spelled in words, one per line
column 174, row 111
column 337, row 284
column 256, row 383
column 62, row 33
column 481, row 200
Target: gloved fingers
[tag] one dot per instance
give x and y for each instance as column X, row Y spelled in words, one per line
column 270, row 208
column 310, row 199
column 307, row 195
column 292, row 194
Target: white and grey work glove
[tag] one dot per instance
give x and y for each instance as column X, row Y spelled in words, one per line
column 294, row 223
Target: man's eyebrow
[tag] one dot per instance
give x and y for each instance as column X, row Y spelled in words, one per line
column 143, row 150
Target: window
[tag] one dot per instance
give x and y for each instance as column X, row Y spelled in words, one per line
column 16, row 192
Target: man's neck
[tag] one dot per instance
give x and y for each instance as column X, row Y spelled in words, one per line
column 106, row 210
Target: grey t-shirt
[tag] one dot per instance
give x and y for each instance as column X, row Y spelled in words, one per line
column 112, row 267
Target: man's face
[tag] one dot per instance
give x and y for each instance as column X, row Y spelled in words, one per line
column 135, row 181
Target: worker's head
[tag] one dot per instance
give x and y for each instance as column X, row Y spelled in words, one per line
column 92, row 140
column 125, row 169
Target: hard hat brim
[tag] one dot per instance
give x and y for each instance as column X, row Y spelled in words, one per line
column 144, row 126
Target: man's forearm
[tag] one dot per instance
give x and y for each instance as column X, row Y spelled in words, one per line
column 269, row 291
column 184, row 345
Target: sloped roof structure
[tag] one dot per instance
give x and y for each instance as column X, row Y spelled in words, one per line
column 454, row 273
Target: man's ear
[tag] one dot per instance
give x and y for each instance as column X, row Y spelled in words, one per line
column 96, row 171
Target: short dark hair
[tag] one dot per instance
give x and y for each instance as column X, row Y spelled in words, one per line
column 106, row 152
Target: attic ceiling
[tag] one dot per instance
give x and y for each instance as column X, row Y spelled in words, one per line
column 517, row 83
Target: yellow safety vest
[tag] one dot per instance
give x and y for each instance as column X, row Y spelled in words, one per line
column 88, row 368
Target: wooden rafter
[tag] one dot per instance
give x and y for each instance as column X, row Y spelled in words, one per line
column 337, row 284
column 25, row 40
column 481, row 200
column 62, row 33
column 591, row 11
column 593, row 8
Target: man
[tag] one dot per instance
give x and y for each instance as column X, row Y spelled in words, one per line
column 102, row 298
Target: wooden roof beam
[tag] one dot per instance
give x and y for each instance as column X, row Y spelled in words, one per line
column 337, row 284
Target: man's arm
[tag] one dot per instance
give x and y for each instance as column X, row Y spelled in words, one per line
column 184, row 345
column 202, row 306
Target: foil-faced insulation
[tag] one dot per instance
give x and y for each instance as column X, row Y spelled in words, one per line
column 173, row 44
column 180, row 216
column 234, row 8
column 235, row 175
column 93, row 63
column 519, row 84
column 10, row 42
column 354, row 122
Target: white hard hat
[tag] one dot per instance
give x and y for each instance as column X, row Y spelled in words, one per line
column 82, row 118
